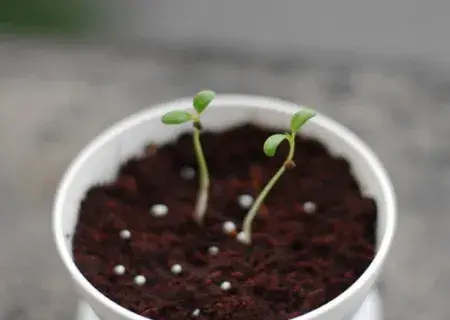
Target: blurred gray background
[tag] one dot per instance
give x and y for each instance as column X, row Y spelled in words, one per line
column 380, row 67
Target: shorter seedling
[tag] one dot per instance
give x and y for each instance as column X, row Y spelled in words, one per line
column 200, row 102
column 270, row 147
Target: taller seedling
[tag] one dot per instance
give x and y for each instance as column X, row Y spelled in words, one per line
column 200, row 102
column 270, row 148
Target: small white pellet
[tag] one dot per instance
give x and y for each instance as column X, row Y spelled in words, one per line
column 213, row 250
column 187, row 173
column 125, row 234
column 196, row 313
column 242, row 237
column 176, row 269
column 225, row 286
column 159, row 210
column 309, row 207
column 140, row 280
column 228, row 227
column 119, row 270
column 245, row 201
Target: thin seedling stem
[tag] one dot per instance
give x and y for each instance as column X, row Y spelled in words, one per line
column 203, row 176
column 200, row 102
column 248, row 221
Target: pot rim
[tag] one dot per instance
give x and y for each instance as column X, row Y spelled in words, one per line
column 223, row 100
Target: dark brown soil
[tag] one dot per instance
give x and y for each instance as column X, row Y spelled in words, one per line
column 298, row 261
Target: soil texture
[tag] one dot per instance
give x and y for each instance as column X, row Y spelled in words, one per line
column 299, row 260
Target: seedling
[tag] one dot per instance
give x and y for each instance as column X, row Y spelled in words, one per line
column 270, row 148
column 200, row 102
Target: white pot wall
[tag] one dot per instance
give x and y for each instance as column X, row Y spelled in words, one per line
column 100, row 159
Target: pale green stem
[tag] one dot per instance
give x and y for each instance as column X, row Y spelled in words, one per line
column 203, row 175
column 248, row 221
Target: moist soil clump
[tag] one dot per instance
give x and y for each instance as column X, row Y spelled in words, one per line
column 298, row 260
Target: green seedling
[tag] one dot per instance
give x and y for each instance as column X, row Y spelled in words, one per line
column 270, row 148
column 200, row 103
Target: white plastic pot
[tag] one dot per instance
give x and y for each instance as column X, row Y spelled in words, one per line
column 100, row 160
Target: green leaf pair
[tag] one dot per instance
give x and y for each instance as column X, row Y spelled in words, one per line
column 201, row 101
column 297, row 121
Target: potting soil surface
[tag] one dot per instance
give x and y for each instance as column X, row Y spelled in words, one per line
column 301, row 257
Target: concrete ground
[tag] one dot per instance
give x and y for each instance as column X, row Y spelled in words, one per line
column 54, row 98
